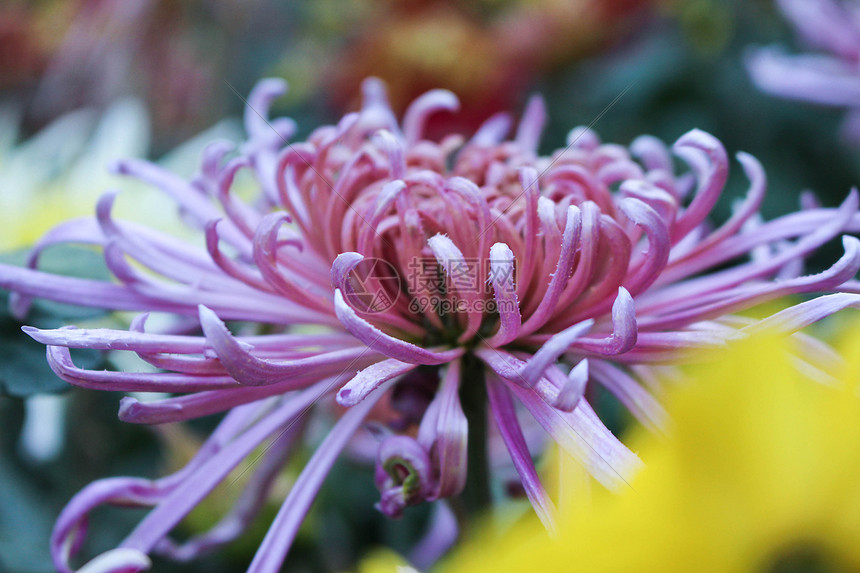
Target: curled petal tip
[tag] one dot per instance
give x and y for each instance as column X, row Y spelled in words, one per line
column 531, row 124
column 505, row 293
column 219, row 147
column 465, row 186
column 206, row 314
column 128, row 408
column 420, row 110
column 394, row 149
column 699, row 139
column 390, row 191
column 343, row 397
column 404, row 467
column 501, row 252
column 533, row 370
column 108, row 196
column 854, row 197
column 119, row 167
column 528, row 177
column 373, row 84
column 119, row 560
column 213, row 153
column 753, row 169
column 385, row 344
column 31, row 331
column 851, row 244
column 625, row 329
column 493, row 130
column 138, row 323
column 574, row 387
column 275, row 87
column 743, row 157
column 367, row 380
column 341, row 267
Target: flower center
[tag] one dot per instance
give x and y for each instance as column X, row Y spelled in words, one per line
column 434, row 230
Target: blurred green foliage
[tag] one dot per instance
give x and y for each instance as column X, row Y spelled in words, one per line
column 23, row 368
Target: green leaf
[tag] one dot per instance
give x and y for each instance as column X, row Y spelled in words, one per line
column 25, row 524
column 64, row 260
column 23, row 367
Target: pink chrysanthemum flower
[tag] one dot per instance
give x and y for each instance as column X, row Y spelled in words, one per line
column 444, row 280
column 831, row 76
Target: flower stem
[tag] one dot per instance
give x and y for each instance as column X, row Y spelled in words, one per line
column 473, row 397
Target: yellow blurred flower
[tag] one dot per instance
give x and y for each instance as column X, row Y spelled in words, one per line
column 760, row 472
column 60, row 172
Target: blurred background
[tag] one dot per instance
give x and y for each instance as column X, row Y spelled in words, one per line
column 84, row 82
